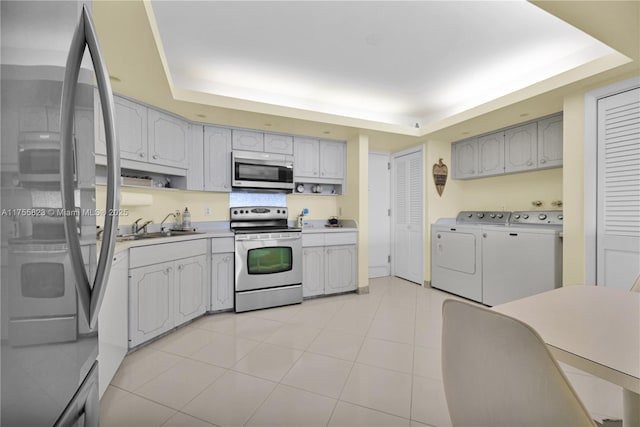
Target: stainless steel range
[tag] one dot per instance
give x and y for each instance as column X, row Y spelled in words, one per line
column 268, row 255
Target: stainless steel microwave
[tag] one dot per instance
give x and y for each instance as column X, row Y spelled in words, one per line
column 261, row 171
column 39, row 158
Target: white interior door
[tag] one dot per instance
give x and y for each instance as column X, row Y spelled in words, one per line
column 379, row 220
column 618, row 223
column 407, row 214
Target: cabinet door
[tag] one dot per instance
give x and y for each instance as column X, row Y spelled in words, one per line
column 306, row 153
column 217, row 159
column 167, row 140
column 195, row 150
column 190, row 288
column 340, row 265
column 131, row 122
column 312, row 271
column 521, row 148
column 222, row 277
column 248, row 140
column 550, row 142
column 150, row 302
column 491, row 154
column 464, row 155
column 332, row 159
column 281, row 144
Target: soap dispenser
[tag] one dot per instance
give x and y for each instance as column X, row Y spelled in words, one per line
column 186, row 219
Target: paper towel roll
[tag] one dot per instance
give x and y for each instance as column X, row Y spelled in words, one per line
column 135, row 199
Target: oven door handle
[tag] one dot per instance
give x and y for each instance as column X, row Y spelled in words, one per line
column 90, row 296
column 280, row 239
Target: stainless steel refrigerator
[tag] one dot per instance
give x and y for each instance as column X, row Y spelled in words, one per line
column 53, row 273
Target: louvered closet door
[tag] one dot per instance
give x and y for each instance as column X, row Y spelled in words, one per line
column 618, row 234
column 407, row 214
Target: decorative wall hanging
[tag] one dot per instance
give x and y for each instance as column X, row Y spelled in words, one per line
column 440, row 172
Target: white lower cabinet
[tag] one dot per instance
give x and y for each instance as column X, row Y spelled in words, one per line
column 165, row 292
column 329, row 263
column 222, row 273
column 222, row 276
column 312, row 271
column 190, row 288
column 340, row 265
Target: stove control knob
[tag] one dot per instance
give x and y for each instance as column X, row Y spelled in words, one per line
column 542, row 217
column 492, row 215
column 500, row 215
column 516, row 216
column 480, row 215
column 560, row 217
column 469, row 215
column 525, row 216
column 235, row 212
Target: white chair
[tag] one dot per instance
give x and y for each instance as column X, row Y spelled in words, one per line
column 498, row 372
column 636, row 284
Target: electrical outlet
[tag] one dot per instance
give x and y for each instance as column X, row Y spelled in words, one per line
column 207, row 211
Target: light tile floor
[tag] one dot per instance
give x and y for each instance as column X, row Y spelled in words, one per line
column 348, row 360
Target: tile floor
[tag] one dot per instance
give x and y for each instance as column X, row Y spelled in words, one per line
column 349, row 360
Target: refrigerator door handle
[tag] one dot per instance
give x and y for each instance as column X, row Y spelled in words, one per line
column 90, row 295
column 84, row 408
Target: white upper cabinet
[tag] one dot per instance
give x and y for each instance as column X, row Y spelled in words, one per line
column 306, row 157
column 217, row 159
column 531, row 146
column 332, row 159
column 550, row 142
column 131, row 128
column 521, row 148
column 195, row 148
column 167, row 140
column 280, row 144
column 465, row 158
column 491, row 154
column 247, row 140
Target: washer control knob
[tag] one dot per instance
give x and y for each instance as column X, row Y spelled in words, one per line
column 560, row 217
column 525, row 216
column 480, row 215
column 542, row 217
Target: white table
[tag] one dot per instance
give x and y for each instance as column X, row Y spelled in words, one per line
column 593, row 328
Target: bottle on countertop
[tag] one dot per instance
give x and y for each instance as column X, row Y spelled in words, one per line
column 186, row 219
column 300, row 221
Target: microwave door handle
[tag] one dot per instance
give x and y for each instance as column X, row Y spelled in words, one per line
column 90, row 296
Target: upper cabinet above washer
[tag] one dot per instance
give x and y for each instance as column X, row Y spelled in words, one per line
column 527, row 147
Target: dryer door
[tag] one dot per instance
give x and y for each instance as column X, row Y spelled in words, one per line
column 456, row 262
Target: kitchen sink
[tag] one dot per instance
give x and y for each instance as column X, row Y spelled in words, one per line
column 156, row 234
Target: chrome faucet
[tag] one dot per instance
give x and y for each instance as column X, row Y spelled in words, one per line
column 175, row 220
column 135, row 228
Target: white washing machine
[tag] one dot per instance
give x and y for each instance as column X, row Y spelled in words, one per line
column 456, row 252
column 522, row 259
column 497, row 257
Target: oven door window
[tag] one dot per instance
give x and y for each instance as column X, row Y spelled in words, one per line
column 269, row 260
column 265, row 173
column 42, row 280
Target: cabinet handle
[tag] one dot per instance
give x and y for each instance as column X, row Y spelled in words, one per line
column 168, row 270
column 226, row 186
column 155, row 157
column 141, row 155
column 530, row 163
column 328, row 251
column 180, row 267
column 543, row 161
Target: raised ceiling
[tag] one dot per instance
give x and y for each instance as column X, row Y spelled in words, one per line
column 403, row 67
